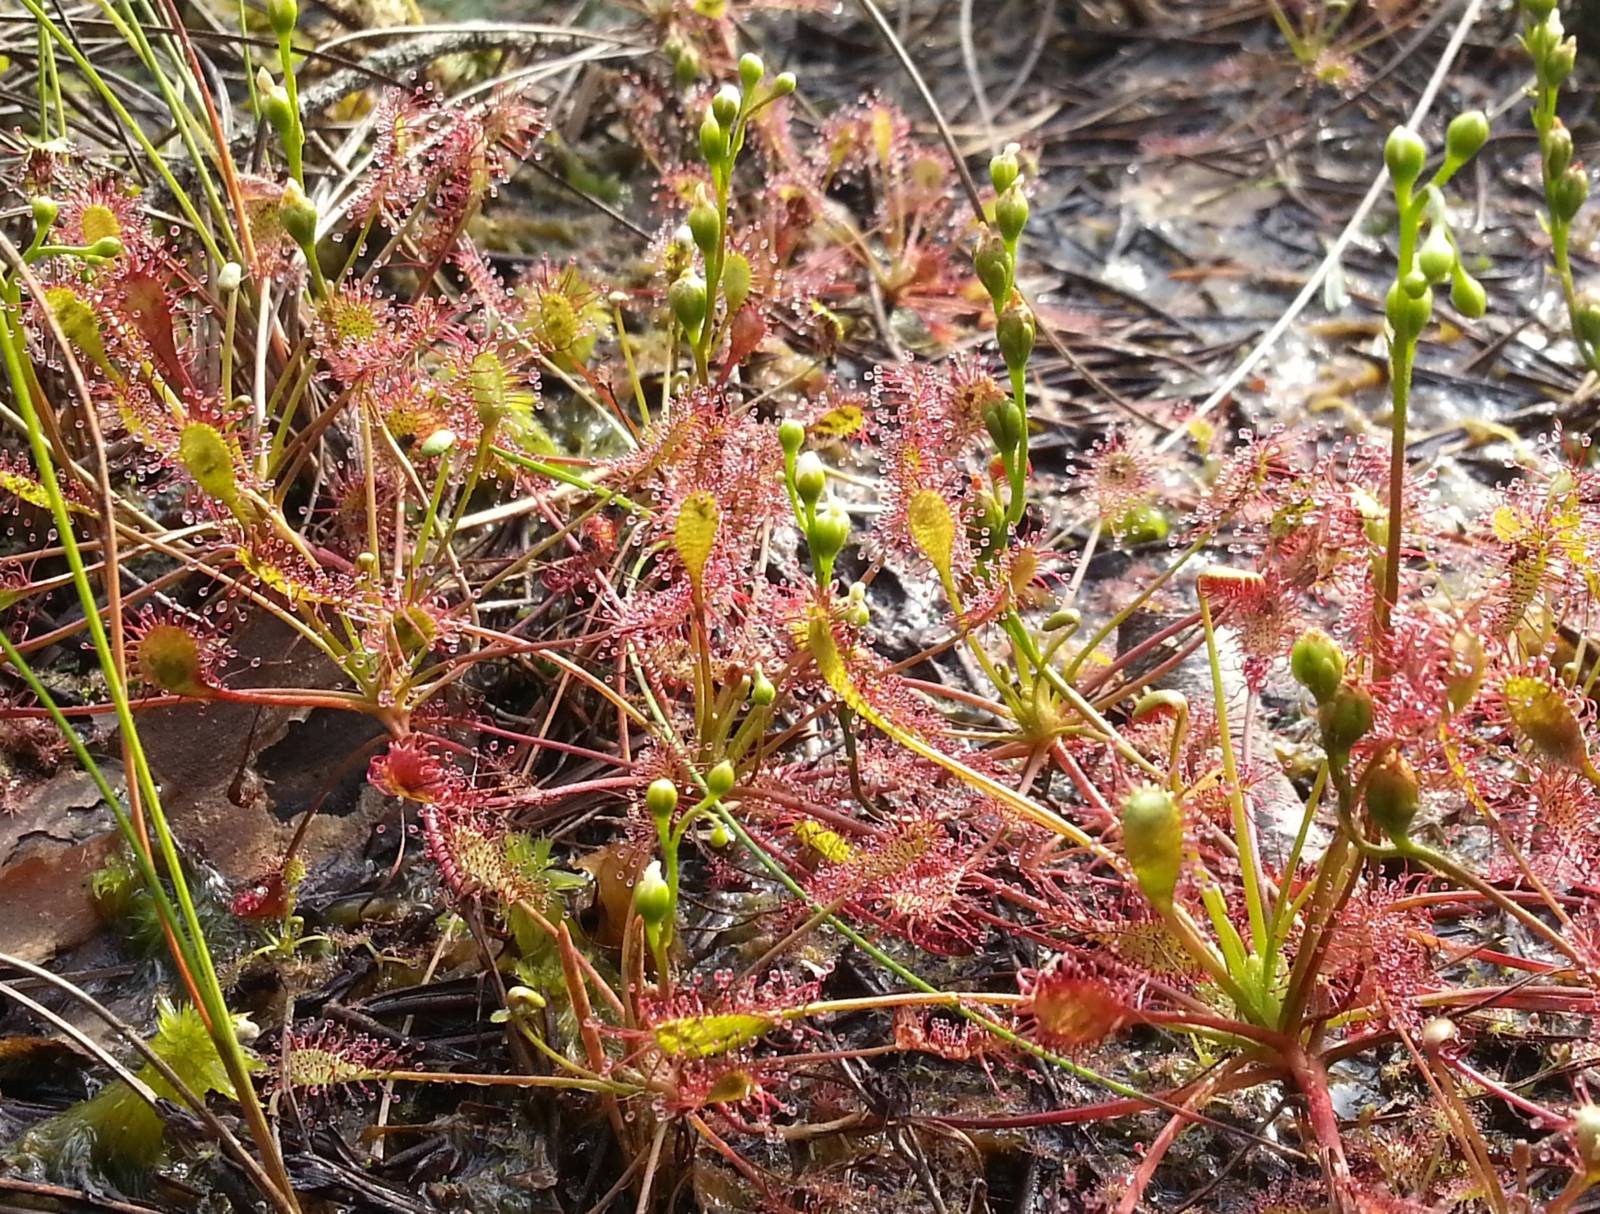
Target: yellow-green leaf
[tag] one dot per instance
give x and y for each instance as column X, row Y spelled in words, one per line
column 706, row 1036
column 696, row 534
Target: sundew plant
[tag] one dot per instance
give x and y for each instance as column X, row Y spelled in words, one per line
column 804, row 765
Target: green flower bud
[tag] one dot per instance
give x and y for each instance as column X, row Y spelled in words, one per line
column 713, row 140
column 1467, row 295
column 437, row 443
column 275, row 108
column 688, row 299
column 1392, row 794
column 1586, row 317
column 661, row 799
column 1345, row 717
column 1152, row 840
column 705, row 226
column 1408, row 316
column 791, row 434
column 762, row 692
column 1466, row 134
column 1557, row 63
column 1538, row 9
column 1586, row 1139
column 1567, row 193
column 783, row 84
column 1004, row 423
column 720, row 779
column 1004, row 169
column 298, row 215
column 1016, row 331
column 720, row 837
column 1317, row 663
column 45, row 211
column 1405, row 154
column 652, row 897
column 1143, row 524
column 751, row 70
column 1437, row 257
column 992, row 262
column 1011, row 213
column 810, row 478
column 106, row 248
column 828, row 535
column 1414, row 283
column 1557, row 150
column 282, row 15
column 725, row 106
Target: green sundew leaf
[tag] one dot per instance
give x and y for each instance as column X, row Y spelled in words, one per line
column 81, row 326
column 707, row 1036
column 696, row 534
column 932, row 528
column 206, row 456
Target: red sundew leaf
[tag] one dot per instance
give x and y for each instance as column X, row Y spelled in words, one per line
column 149, row 309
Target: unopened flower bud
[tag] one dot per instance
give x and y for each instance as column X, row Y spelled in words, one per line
column 783, row 84
column 992, row 262
column 106, row 248
column 1408, row 316
column 720, row 837
column 720, row 779
column 810, row 478
column 45, row 211
column 751, row 70
column 1437, row 257
column 1557, row 150
column 705, row 226
column 762, row 692
column 1011, row 213
column 1467, row 295
column 1152, row 840
column 713, row 139
column 1557, row 63
column 661, row 799
column 298, row 215
column 1142, row 524
column 1004, row 423
column 1317, row 663
column 1004, row 169
column 830, row 532
column 275, row 108
column 1016, row 331
column 229, row 277
column 791, row 434
column 1465, row 135
column 1345, row 717
column 1392, row 794
column 652, row 897
column 437, row 443
column 1538, row 9
column 725, row 106
column 282, row 15
column 1567, row 193
column 1414, row 283
column 1405, row 154
column 688, row 299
